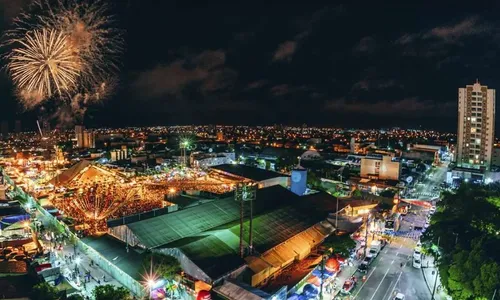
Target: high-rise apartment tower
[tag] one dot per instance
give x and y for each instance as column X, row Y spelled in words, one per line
column 476, row 126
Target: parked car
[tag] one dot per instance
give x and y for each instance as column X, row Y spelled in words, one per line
column 349, row 285
column 373, row 252
column 417, row 254
column 363, row 267
column 417, row 263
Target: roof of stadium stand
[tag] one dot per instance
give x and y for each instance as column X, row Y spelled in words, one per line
column 171, row 227
column 251, row 173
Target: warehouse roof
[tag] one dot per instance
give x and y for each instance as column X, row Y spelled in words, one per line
column 167, row 228
column 115, row 252
column 270, row 229
column 251, row 173
column 191, row 221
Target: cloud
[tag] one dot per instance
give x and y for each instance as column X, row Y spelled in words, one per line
column 285, row 51
column 207, row 69
column 280, row 90
column 367, row 44
column 470, row 26
column 256, row 84
column 375, row 84
column 406, row 39
column 467, row 27
column 407, row 107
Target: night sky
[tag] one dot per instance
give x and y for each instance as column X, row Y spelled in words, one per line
column 354, row 65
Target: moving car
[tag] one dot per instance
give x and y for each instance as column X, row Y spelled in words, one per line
column 433, row 209
column 399, row 296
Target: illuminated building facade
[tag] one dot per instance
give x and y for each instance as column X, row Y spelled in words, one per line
column 476, row 126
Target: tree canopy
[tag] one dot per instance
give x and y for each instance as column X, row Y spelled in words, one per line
column 44, row 291
column 165, row 266
column 341, row 244
column 466, row 226
column 111, row 292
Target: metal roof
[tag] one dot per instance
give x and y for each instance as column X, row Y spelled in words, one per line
column 251, row 173
column 167, row 228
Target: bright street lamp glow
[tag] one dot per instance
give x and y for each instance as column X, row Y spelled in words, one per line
column 151, row 283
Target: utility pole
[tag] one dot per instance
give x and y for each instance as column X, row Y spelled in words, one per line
column 337, row 215
column 494, row 294
column 366, row 234
column 322, row 276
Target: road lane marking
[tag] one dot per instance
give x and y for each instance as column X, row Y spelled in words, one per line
column 392, row 262
column 401, row 246
column 385, row 295
column 382, row 280
column 365, row 282
column 392, row 292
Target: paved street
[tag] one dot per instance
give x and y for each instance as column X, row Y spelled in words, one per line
column 386, row 277
column 426, row 187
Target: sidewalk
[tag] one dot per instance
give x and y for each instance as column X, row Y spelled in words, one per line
column 430, row 279
column 345, row 274
column 80, row 264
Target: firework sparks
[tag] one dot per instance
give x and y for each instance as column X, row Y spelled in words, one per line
column 44, row 65
column 84, row 49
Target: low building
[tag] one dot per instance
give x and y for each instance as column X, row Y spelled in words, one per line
column 205, row 160
column 263, row 178
column 382, row 167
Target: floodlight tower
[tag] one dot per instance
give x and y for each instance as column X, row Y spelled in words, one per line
column 246, row 192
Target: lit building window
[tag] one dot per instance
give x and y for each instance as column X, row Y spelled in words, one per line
column 473, row 130
column 478, row 141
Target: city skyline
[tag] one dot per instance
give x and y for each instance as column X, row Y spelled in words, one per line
column 263, row 68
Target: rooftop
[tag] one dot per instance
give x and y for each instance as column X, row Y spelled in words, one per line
column 115, row 252
column 191, row 221
column 270, row 229
column 251, row 173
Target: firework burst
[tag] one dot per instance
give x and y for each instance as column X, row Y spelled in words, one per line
column 43, row 65
column 91, row 46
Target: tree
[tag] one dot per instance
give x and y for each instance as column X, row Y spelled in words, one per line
column 111, row 292
column 44, row 291
column 75, row 297
column 285, row 163
column 164, row 265
column 466, row 226
column 313, row 180
column 341, row 244
column 357, row 193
